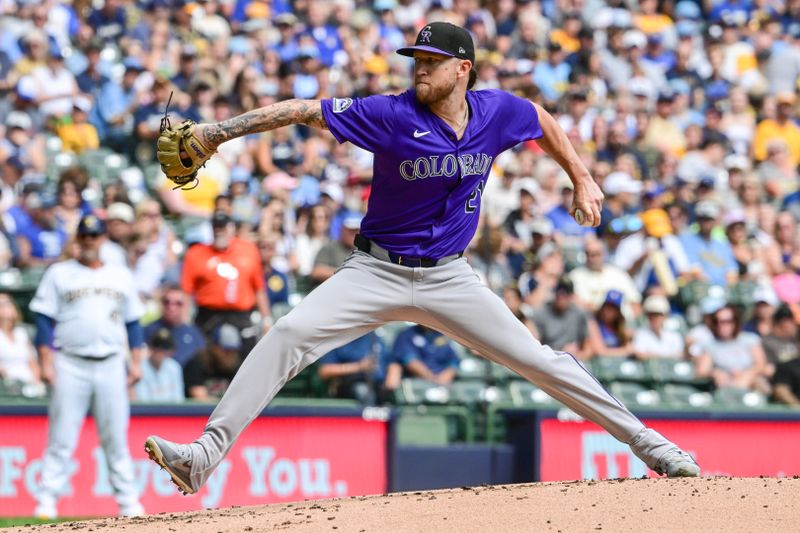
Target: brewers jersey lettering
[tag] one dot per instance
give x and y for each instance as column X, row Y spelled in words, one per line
column 427, row 184
column 90, row 307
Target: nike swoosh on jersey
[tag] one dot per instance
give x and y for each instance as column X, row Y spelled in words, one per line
column 418, row 134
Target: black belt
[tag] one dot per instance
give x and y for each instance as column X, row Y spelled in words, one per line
column 91, row 357
column 377, row 251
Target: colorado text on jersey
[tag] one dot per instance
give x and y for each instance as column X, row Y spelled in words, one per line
column 431, row 167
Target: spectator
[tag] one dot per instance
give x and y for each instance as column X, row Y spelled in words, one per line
column 186, row 337
column 356, row 369
column 78, row 135
column 748, row 254
column 787, row 383
column 513, row 299
column 765, row 301
column 226, row 281
column 208, row 374
column 593, row 281
column 56, row 86
column 782, row 344
column 18, row 360
column 332, row 254
column 562, row 324
column 783, row 255
column 782, row 127
column 309, row 243
column 708, row 254
column 609, row 335
column 162, row 376
column 119, row 219
column 116, row 104
column 653, row 340
column 71, row 206
column 276, row 281
column 732, row 358
column 423, row 353
column 40, row 242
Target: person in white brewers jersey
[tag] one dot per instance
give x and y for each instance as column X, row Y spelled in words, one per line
column 87, row 316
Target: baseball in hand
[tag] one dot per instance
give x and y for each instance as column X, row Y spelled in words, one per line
column 580, row 218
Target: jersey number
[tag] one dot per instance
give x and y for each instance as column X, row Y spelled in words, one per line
column 474, row 200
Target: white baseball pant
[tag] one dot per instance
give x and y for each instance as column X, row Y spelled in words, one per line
column 81, row 383
column 367, row 292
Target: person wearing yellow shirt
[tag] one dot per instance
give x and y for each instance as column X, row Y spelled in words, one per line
column 79, row 135
column 567, row 35
column 648, row 20
column 781, row 127
column 662, row 132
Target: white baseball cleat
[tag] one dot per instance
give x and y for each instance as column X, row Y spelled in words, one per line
column 175, row 458
column 129, row 511
column 677, row 463
column 45, row 510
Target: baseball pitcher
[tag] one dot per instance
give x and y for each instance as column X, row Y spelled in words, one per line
column 433, row 146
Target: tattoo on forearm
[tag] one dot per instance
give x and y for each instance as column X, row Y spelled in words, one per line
column 267, row 118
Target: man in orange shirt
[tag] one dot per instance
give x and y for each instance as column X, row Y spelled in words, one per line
column 226, row 281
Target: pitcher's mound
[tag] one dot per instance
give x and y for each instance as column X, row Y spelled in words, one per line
column 705, row 504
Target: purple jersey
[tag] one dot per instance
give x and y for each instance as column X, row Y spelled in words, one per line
column 426, row 186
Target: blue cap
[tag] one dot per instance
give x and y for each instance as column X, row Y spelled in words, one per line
column 227, row 337
column 680, row 86
column 132, row 63
column 655, row 191
column 352, row 221
column 711, row 304
column 717, row 90
column 91, row 225
column 239, row 174
column 686, row 28
column 687, row 10
column 614, row 297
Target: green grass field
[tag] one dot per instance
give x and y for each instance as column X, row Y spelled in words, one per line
column 24, row 521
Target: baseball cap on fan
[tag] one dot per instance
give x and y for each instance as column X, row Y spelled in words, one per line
column 442, row 38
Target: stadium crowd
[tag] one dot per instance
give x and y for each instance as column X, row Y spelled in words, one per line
column 685, row 112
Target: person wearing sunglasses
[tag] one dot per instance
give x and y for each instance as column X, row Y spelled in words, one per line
column 732, row 358
column 187, row 338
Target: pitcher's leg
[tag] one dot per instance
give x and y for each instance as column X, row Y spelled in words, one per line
column 357, row 299
column 470, row 313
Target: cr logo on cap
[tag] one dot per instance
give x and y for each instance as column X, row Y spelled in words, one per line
column 425, row 35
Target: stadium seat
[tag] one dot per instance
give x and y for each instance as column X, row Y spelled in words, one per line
column 691, row 293
column 475, row 368
column 473, row 392
column 526, row 394
column 741, row 294
column 422, row 430
column 418, row 391
column 634, row 394
column 618, row 369
column 391, row 330
column 670, row 371
column 739, row 398
column 685, row 395
column 502, row 373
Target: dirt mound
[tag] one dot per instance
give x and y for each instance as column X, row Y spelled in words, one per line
column 708, row 504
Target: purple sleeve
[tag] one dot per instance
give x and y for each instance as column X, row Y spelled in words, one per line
column 519, row 119
column 365, row 122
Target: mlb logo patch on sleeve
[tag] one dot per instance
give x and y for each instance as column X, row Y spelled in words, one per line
column 341, row 104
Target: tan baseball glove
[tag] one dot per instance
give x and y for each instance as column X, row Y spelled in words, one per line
column 181, row 153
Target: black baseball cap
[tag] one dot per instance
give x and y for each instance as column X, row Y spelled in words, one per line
column 162, row 340
column 220, row 219
column 91, row 225
column 443, row 38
